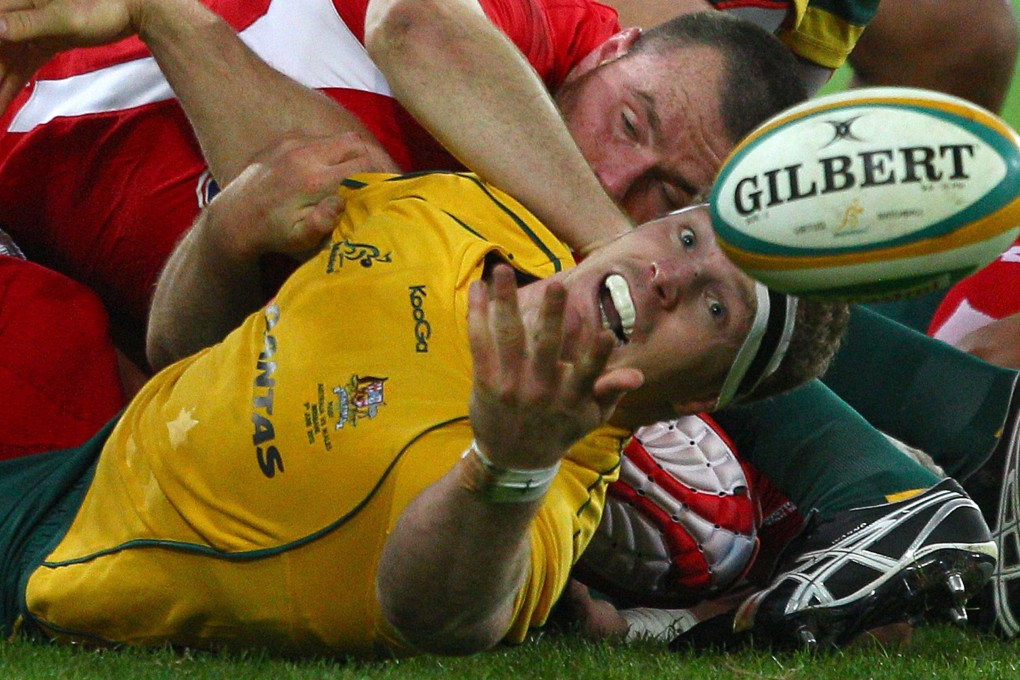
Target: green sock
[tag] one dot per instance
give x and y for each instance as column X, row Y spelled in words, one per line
column 820, row 452
column 922, row 391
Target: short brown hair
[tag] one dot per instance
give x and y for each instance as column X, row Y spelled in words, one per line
column 762, row 77
column 816, row 338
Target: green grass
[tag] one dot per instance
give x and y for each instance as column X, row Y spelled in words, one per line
column 937, row 652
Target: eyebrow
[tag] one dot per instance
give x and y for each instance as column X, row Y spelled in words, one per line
column 655, row 123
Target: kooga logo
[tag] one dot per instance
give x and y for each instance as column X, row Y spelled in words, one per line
column 422, row 328
column 841, row 172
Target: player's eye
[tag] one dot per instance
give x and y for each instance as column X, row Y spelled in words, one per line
column 629, row 124
column 716, row 309
column 688, row 239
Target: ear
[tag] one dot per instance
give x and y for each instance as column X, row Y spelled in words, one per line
column 615, row 47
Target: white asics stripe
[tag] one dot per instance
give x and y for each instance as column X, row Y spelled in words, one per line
column 305, row 39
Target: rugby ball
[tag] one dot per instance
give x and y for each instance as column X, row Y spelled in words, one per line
column 870, row 194
column 680, row 523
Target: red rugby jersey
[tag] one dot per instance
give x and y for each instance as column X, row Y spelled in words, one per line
column 100, row 173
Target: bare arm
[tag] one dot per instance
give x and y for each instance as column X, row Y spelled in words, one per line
column 254, row 106
column 997, row 342
column 454, row 563
column 474, row 91
column 439, row 55
column 237, row 104
column 963, row 47
column 285, row 202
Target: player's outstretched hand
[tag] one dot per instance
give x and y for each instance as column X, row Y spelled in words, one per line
column 286, row 201
column 32, row 31
column 528, row 405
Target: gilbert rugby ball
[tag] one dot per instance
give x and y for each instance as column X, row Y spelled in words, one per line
column 679, row 525
column 871, row 194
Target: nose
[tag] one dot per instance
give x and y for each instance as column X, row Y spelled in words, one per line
column 686, row 273
column 674, row 276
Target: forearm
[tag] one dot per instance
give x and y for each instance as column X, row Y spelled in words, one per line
column 285, row 202
column 203, row 293
column 454, row 592
column 237, row 104
column 448, row 65
column 967, row 49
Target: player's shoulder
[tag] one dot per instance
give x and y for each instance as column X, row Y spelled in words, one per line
column 461, row 207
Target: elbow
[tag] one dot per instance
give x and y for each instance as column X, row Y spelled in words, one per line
column 443, row 631
column 393, row 27
column 387, row 24
column 452, row 642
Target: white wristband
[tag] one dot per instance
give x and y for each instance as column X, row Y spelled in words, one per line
column 661, row 625
column 499, row 484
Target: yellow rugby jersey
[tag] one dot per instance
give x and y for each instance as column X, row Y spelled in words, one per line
column 821, row 31
column 245, row 495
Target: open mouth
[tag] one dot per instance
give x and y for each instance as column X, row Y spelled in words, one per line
column 617, row 308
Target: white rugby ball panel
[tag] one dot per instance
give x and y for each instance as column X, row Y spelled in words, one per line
column 825, row 195
column 935, row 163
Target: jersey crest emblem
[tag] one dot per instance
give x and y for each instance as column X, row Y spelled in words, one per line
column 361, row 397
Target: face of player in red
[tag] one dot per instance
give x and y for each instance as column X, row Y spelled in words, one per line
column 648, row 124
column 678, row 307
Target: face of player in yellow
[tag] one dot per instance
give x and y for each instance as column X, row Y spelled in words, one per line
column 650, row 125
column 677, row 306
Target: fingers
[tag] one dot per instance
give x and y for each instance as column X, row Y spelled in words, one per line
column 479, row 337
column 507, row 329
column 589, row 378
column 548, row 338
column 511, row 359
column 19, row 21
column 351, row 147
column 344, row 154
column 499, row 343
column 324, row 214
column 527, row 381
column 596, row 347
column 65, row 23
column 318, row 224
column 319, row 165
column 12, row 5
